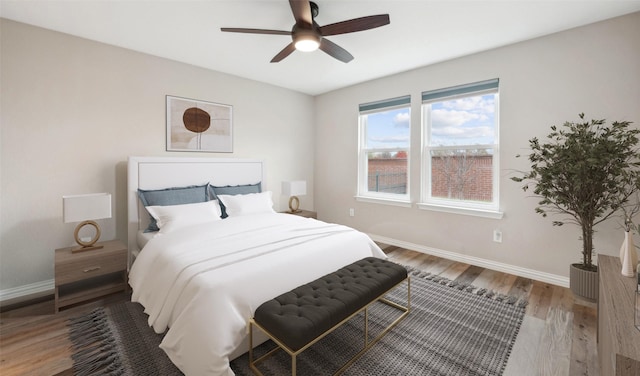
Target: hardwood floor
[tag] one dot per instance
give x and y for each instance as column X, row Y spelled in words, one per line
column 558, row 336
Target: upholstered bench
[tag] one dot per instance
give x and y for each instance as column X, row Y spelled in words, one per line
column 299, row 318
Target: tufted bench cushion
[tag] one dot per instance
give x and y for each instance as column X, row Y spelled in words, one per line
column 298, row 317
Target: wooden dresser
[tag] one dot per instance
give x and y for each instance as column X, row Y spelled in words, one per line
column 618, row 339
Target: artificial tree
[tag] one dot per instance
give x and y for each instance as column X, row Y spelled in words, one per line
column 587, row 170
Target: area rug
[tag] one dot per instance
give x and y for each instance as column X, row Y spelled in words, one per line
column 452, row 329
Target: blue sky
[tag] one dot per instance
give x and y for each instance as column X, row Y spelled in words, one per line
column 464, row 121
column 389, row 129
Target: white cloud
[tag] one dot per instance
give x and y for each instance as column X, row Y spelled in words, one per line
column 451, row 118
column 479, row 104
column 402, row 119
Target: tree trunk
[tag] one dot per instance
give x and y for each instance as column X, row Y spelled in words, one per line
column 587, row 245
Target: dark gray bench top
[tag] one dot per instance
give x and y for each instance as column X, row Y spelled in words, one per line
column 299, row 316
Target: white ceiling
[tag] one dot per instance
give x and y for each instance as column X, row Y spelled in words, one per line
column 421, row 32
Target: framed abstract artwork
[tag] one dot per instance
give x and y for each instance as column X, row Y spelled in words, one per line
column 194, row 125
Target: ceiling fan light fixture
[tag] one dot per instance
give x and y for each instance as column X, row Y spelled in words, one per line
column 306, row 40
column 307, row 45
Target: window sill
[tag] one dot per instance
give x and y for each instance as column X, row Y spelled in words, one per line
column 463, row 211
column 384, row 201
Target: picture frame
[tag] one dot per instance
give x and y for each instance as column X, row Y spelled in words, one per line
column 199, row 126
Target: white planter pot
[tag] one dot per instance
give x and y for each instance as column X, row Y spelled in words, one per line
column 583, row 283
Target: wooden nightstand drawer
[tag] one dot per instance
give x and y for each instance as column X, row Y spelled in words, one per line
column 89, row 274
column 90, row 264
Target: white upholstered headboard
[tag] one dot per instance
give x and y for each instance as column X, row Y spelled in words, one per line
column 166, row 172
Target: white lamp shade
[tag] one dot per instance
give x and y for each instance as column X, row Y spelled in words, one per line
column 294, row 188
column 78, row 208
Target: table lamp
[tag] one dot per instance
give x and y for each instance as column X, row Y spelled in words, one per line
column 294, row 189
column 85, row 209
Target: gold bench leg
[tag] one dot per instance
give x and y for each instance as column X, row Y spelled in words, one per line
column 366, row 327
column 367, row 344
column 250, row 344
column 293, row 365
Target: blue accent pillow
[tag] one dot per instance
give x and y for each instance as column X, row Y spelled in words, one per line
column 172, row 196
column 232, row 190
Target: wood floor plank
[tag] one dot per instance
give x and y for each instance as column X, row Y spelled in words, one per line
column 539, row 300
column 521, row 288
column 554, row 351
column 584, row 357
column 455, row 270
column 485, row 279
column 424, row 262
column 403, row 256
column 390, row 248
column 502, row 283
column 436, row 265
column 469, row 275
column 562, row 298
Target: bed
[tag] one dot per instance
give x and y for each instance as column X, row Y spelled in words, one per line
column 200, row 278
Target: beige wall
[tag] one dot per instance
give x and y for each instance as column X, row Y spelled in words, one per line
column 73, row 110
column 593, row 69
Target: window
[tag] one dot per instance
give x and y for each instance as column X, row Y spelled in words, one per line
column 384, row 129
column 460, row 155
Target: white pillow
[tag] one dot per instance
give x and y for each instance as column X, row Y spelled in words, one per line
column 252, row 203
column 173, row 217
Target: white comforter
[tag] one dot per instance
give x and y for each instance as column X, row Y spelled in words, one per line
column 205, row 282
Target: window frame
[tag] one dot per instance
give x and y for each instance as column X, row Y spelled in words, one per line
column 470, row 207
column 363, row 193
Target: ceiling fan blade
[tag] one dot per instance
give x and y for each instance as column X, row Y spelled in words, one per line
column 356, row 24
column 254, row 31
column 301, row 11
column 284, row 53
column 335, row 51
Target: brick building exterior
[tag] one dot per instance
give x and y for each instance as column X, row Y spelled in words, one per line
column 454, row 177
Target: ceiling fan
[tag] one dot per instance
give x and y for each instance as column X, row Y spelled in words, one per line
column 307, row 35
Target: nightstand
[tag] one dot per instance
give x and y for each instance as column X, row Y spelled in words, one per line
column 304, row 213
column 90, row 274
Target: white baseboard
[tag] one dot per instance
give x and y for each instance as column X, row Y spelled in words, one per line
column 26, row 292
column 488, row 264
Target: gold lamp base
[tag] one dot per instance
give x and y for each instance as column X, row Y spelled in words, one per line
column 294, row 204
column 86, row 245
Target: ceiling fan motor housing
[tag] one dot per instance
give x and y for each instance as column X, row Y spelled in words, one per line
column 306, row 38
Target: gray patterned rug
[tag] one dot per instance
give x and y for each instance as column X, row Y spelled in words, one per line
column 452, row 330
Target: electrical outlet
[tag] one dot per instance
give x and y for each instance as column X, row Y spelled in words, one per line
column 497, row 236
column 352, row 212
